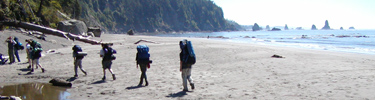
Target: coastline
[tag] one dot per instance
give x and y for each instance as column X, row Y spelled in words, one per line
column 224, row 70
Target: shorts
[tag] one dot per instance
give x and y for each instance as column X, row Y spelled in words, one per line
column 36, row 61
column 107, row 64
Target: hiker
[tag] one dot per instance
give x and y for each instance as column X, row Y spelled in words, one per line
column 17, row 46
column 36, row 54
column 78, row 56
column 143, row 60
column 187, row 59
column 28, row 52
column 107, row 54
column 11, row 44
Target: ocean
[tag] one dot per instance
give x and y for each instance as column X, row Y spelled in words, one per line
column 355, row 41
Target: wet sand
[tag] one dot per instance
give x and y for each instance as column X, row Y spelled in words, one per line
column 224, row 70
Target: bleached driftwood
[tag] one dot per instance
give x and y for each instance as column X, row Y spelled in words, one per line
column 50, row 31
column 142, row 40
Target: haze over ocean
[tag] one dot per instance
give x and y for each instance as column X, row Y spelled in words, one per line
column 357, row 41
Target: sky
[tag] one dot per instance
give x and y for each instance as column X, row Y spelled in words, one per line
column 301, row 13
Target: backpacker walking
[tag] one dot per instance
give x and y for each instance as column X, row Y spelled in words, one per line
column 187, row 59
column 36, row 54
column 143, row 60
column 78, row 55
column 107, row 54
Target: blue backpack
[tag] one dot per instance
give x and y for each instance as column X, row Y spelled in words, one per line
column 187, row 52
column 143, row 57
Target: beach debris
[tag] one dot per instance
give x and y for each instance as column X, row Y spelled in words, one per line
column 142, row 40
column 58, row 82
column 9, row 98
column 51, row 31
column 277, row 56
column 130, row 32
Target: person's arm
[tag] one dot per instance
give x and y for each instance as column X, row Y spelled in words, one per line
column 101, row 53
column 136, row 58
column 180, row 66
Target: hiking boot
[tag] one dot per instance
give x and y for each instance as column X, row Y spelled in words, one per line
column 32, row 70
column 103, row 78
column 146, row 83
column 113, row 76
column 185, row 90
column 85, row 73
column 75, row 75
column 29, row 67
column 43, row 70
column 192, row 86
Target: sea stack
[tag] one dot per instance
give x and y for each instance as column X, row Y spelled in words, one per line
column 286, row 27
column 256, row 27
column 326, row 26
column 268, row 27
column 313, row 27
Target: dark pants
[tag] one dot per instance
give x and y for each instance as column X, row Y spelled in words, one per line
column 17, row 56
column 143, row 75
column 11, row 55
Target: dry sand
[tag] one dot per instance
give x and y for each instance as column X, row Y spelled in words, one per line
column 224, row 70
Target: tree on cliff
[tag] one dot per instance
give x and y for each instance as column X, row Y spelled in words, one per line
column 326, row 26
column 256, row 27
column 313, row 27
column 155, row 15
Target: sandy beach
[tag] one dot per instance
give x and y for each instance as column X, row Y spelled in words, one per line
column 224, row 70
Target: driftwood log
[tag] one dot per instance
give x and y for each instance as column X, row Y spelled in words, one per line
column 50, row 31
column 58, row 82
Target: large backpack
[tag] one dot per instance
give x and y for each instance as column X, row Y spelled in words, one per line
column 19, row 46
column 187, row 51
column 77, row 50
column 143, row 57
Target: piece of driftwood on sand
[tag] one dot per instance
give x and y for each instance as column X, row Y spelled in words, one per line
column 142, row 40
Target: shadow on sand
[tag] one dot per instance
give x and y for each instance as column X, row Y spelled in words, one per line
column 71, row 79
column 24, row 69
column 178, row 94
column 134, row 87
column 99, row 82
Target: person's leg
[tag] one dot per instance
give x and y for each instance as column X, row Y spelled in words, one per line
column 30, row 62
column 104, row 67
column 188, row 76
column 16, row 53
column 79, row 62
column 11, row 56
column 184, row 80
column 109, row 66
column 33, row 64
column 143, row 75
column 39, row 65
column 75, row 68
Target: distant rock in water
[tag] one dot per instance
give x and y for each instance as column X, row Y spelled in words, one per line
column 326, row 26
column 299, row 28
column 313, row 27
column 351, row 28
column 276, row 29
column 256, row 27
column 286, row 27
column 267, row 27
column 341, row 28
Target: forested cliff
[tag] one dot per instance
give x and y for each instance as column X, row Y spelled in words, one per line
column 154, row 15
column 119, row 16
